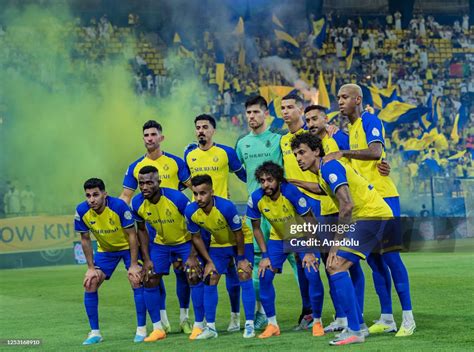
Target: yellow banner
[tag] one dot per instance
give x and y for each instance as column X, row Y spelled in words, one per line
column 34, row 233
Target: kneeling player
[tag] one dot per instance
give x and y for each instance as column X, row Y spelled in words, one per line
column 111, row 222
column 356, row 200
column 280, row 203
column 219, row 217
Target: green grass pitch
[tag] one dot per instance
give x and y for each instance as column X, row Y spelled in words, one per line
column 46, row 303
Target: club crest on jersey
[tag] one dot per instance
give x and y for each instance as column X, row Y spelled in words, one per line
column 215, row 159
column 168, row 212
column 268, row 144
column 266, row 210
column 375, row 132
column 332, row 178
column 111, row 222
column 166, row 167
column 356, row 135
column 148, row 213
column 236, row 219
column 302, row 202
column 285, row 209
column 220, row 222
column 193, row 159
column 92, row 222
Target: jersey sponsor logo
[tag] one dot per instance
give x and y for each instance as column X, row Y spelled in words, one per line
column 127, row 215
column 332, row 178
column 375, row 132
column 302, row 202
column 236, row 219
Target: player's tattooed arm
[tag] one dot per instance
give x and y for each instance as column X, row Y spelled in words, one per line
column 346, row 204
column 312, row 187
column 373, row 152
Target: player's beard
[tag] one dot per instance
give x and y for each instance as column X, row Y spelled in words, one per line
column 270, row 191
column 202, row 140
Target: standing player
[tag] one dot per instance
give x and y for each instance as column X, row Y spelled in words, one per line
column 292, row 110
column 358, row 201
column 112, row 224
column 173, row 174
column 316, row 121
column 217, row 161
column 281, row 204
column 219, row 217
column 366, row 149
column 163, row 210
column 253, row 149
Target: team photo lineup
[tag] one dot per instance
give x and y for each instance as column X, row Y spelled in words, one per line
column 315, row 172
column 228, row 175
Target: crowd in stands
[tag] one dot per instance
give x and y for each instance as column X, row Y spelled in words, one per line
column 424, row 59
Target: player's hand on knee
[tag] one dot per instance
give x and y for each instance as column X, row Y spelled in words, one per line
column 193, row 270
column 91, row 278
column 310, row 261
column 244, row 269
column 332, row 261
column 147, row 270
column 135, row 274
column 209, row 269
column 264, row 265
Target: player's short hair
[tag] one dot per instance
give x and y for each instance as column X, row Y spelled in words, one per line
column 152, row 124
column 201, row 179
column 270, row 168
column 94, row 183
column 206, row 117
column 257, row 100
column 312, row 141
column 149, row 169
column 298, row 100
column 315, row 107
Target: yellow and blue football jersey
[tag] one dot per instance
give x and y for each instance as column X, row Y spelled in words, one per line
column 362, row 132
column 216, row 162
column 280, row 213
column 167, row 224
column 339, row 141
column 172, row 171
column 221, row 222
column 368, row 204
column 107, row 227
column 290, row 165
